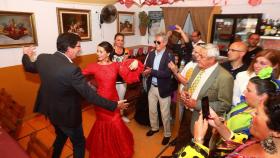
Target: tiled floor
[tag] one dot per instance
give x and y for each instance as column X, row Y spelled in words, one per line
column 145, row 147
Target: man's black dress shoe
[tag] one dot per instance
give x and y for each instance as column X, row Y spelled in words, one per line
column 173, row 142
column 165, row 140
column 150, row 132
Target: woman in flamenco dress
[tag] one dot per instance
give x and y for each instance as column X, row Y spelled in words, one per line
column 109, row 136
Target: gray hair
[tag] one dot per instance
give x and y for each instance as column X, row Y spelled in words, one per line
column 211, row 49
column 163, row 36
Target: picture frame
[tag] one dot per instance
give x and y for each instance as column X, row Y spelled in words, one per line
column 76, row 21
column 17, row 29
column 126, row 23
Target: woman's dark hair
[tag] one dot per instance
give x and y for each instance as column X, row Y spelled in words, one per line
column 66, row 40
column 118, row 34
column 272, row 110
column 108, row 48
column 264, row 85
column 179, row 59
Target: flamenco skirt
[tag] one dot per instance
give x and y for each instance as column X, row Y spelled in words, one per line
column 109, row 136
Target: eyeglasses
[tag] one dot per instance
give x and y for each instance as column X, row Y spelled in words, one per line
column 157, row 42
column 234, row 50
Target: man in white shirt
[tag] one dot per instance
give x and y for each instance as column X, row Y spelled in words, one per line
column 196, row 38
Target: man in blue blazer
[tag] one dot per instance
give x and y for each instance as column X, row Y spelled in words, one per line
column 159, row 86
column 59, row 95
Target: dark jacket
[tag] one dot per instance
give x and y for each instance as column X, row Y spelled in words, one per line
column 62, row 85
column 163, row 74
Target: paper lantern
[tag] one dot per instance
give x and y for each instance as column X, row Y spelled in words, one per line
column 255, row 2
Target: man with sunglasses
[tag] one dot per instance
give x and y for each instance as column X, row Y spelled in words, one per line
column 159, row 86
column 236, row 52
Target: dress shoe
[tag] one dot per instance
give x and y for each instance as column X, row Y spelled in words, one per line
column 173, row 142
column 165, row 140
column 151, row 132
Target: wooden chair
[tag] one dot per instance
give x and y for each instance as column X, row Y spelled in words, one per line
column 132, row 94
column 38, row 148
column 4, row 98
column 11, row 114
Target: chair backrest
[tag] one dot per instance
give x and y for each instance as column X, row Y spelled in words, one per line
column 38, row 148
column 11, row 114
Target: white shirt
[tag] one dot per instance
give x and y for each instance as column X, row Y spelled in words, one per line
column 66, row 56
column 240, row 85
column 189, row 65
column 198, row 42
column 203, row 79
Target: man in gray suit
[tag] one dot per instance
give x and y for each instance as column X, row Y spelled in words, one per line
column 208, row 79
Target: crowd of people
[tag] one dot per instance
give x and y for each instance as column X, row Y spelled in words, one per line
column 243, row 94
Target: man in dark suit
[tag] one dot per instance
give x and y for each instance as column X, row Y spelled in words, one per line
column 159, row 86
column 59, row 95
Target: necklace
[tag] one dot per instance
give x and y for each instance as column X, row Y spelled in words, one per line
column 269, row 145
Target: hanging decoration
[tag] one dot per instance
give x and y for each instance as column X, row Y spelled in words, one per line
column 221, row 2
column 254, row 2
column 129, row 3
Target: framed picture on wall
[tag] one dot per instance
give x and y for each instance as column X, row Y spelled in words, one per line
column 126, row 23
column 17, row 29
column 75, row 21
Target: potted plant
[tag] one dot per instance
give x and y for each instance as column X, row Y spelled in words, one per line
column 144, row 21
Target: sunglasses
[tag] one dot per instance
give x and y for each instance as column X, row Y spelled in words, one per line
column 157, row 42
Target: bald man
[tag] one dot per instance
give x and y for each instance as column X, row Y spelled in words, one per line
column 236, row 52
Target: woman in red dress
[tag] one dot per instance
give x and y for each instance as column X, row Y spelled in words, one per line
column 109, row 136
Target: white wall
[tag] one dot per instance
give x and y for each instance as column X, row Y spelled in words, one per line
column 269, row 8
column 47, row 28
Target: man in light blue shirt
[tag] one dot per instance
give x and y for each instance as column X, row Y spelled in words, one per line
column 159, row 86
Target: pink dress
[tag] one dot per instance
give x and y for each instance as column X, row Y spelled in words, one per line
column 109, row 136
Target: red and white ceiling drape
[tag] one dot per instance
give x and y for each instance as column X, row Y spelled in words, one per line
column 129, row 3
column 224, row 2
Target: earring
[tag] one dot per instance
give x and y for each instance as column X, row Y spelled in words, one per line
column 268, row 145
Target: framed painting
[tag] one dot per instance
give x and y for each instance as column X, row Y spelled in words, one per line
column 75, row 21
column 126, row 23
column 17, row 29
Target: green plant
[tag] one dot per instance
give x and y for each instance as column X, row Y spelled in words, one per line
column 144, row 19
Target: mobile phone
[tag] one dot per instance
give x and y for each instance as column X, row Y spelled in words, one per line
column 172, row 27
column 205, row 107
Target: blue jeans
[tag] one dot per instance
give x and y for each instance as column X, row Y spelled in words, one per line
column 76, row 136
